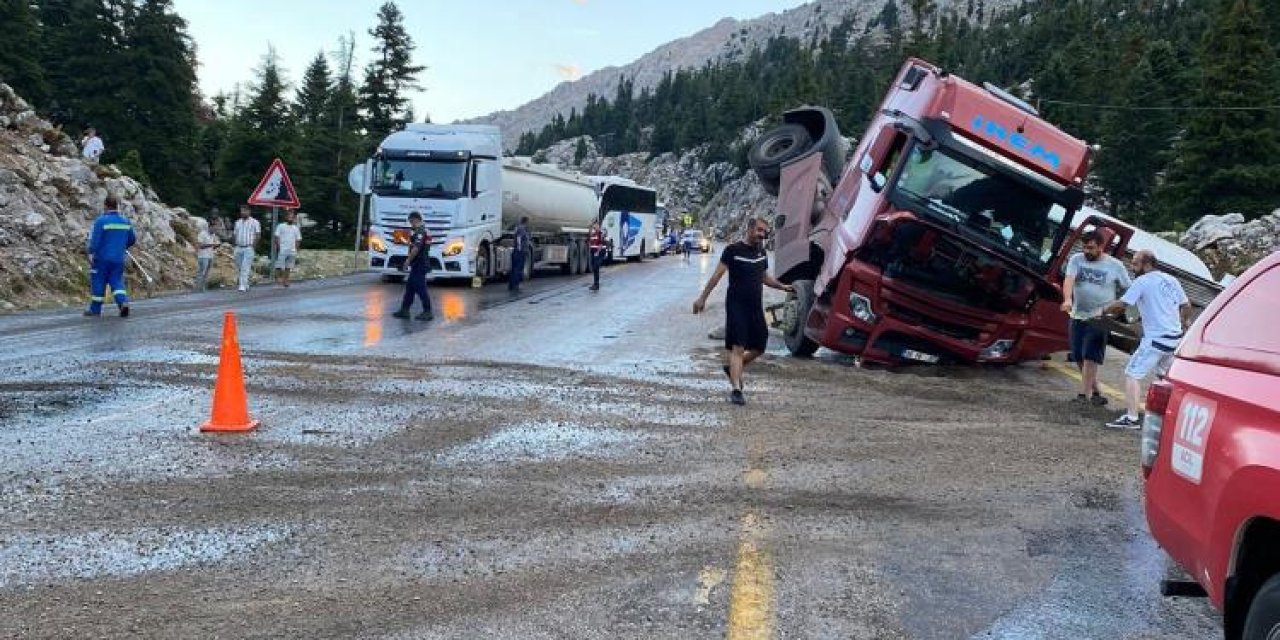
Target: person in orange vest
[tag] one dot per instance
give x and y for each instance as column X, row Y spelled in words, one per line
column 595, row 242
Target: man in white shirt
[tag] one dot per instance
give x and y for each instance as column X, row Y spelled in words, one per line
column 206, row 244
column 91, row 146
column 246, row 235
column 1166, row 312
column 287, row 239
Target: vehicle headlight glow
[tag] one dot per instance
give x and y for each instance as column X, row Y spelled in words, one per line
column 860, row 307
column 376, row 244
column 453, row 247
column 998, row 350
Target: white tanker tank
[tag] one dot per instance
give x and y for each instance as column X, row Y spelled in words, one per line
column 554, row 201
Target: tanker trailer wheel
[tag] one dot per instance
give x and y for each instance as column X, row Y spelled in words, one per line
column 584, row 259
column 571, row 260
column 795, row 315
column 771, row 150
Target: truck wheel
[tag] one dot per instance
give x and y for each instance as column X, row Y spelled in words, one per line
column 571, row 260
column 642, row 255
column 1263, row 621
column 528, row 265
column 482, row 262
column 584, row 259
column 771, row 150
column 797, row 313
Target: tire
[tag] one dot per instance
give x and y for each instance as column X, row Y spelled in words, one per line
column 1263, row 620
column 528, row 265
column 797, row 343
column 643, row 255
column 483, row 262
column 571, row 261
column 773, row 149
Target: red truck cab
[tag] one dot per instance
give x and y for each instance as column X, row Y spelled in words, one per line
column 945, row 236
column 1211, row 454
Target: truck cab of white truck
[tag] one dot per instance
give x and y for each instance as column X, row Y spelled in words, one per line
column 451, row 174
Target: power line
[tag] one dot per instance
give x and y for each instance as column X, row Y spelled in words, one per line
column 1117, row 107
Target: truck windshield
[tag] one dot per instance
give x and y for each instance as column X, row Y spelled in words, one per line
column 982, row 203
column 404, row 177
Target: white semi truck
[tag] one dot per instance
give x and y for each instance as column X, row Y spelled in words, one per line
column 471, row 198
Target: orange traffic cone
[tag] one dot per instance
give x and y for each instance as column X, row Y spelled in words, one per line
column 230, row 404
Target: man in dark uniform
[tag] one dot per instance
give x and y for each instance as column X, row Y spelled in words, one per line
column 745, row 331
column 416, row 264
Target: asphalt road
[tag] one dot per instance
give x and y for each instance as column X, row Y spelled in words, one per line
column 558, row 464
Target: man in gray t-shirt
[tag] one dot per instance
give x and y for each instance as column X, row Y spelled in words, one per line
column 1093, row 280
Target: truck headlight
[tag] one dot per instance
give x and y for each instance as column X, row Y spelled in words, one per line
column 998, row 350
column 376, row 244
column 860, row 307
column 453, row 247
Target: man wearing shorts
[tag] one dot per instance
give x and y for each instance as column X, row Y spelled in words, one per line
column 288, row 239
column 1166, row 312
column 745, row 332
column 1094, row 279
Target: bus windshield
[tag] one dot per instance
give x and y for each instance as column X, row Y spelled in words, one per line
column 405, row 177
column 982, row 203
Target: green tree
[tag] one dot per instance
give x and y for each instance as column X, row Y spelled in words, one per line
column 1226, row 161
column 20, row 64
column 580, row 153
column 391, row 74
column 260, row 131
column 81, row 51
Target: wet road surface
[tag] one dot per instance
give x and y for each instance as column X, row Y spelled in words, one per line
column 557, row 464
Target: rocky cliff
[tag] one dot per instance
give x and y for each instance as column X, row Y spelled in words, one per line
column 727, row 40
column 1229, row 244
column 49, row 198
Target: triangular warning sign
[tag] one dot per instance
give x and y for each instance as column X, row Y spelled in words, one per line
column 275, row 190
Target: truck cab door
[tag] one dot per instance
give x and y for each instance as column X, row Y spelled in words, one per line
column 487, row 192
column 800, row 181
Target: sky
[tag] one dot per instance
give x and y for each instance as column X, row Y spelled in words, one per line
column 481, row 55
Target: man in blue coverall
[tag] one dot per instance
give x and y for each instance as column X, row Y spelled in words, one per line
column 111, row 238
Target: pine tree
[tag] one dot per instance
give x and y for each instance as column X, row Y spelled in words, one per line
column 81, row 51
column 350, row 145
column 390, row 75
column 1226, row 159
column 316, row 143
column 160, row 97
column 20, row 65
column 260, row 131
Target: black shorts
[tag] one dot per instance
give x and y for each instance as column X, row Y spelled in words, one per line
column 745, row 327
column 1088, row 342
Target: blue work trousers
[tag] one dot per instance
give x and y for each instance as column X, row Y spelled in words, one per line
column 416, row 285
column 517, row 270
column 101, row 275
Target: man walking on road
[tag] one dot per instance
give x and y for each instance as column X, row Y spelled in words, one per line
column 746, row 333
column 108, row 249
column 206, row 244
column 416, row 264
column 1166, row 312
column 288, row 241
column 246, row 234
column 1093, row 280
column 595, row 242
column 520, row 255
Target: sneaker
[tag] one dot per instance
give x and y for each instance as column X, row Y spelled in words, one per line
column 425, row 315
column 594, row 287
column 737, row 398
column 1098, row 400
column 124, row 311
column 1125, row 421
column 402, row 314
column 92, row 314
column 1080, row 399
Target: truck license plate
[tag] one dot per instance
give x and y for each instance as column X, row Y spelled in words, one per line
column 911, row 354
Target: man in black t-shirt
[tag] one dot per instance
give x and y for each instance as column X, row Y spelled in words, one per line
column 417, row 265
column 745, row 332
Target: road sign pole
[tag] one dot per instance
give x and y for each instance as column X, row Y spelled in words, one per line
column 274, row 215
column 355, row 258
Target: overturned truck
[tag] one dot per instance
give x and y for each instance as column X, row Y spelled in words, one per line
column 945, row 236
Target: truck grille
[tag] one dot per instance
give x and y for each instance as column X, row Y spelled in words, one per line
column 950, row 329
column 438, row 224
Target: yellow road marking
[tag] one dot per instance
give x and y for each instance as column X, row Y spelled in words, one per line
column 708, row 580
column 1074, row 374
column 751, row 600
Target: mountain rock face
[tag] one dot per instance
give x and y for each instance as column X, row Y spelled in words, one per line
column 727, row 40
column 49, row 199
column 1229, row 244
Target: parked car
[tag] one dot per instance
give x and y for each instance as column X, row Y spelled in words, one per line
column 697, row 240
column 1211, row 456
